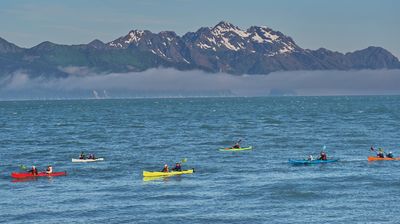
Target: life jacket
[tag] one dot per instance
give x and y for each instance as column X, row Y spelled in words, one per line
column 178, row 167
column 165, row 170
column 49, row 169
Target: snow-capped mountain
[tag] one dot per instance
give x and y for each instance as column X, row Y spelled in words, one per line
column 220, row 38
column 228, row 48
column 222, row 48
column 227, row 37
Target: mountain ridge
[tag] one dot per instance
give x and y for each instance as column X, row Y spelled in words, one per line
column 222, row 48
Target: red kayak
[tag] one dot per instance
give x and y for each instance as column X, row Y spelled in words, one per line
column 40, row 174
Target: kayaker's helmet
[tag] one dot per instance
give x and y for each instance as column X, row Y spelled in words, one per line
column 33, row 167
column 165, row 165
column 390, row 152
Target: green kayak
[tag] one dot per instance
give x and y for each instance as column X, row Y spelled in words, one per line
column 236, row 149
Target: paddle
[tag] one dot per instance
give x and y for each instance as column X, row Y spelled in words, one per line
column 236, row 143
column 380, row 150
column 22, row 167
column 184, row 160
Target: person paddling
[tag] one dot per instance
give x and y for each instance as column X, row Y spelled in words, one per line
column 82, row 155
column 390, row 155
column 91, row 156
column 380, row 153
column 237, row 145
column 34, row 171
column 178, row 167
column 322, row 156
column 310, row 158
column 165, row 169
column 49, row 169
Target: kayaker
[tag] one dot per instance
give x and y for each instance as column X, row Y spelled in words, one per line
column 82, row 155
column 91, row 156
column 49, row 170
column 236, row 146
column 310, row 158
column 380, row 153
column 177, row 167
column 33, row 171
column 165, row 169
column 322, row 156
column 389, row 155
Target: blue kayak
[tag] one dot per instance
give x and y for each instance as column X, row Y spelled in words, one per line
column 316, row 161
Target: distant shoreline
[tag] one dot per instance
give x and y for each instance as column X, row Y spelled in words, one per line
column 196, row 97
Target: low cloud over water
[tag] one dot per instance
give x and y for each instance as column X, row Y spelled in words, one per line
column 82, row 83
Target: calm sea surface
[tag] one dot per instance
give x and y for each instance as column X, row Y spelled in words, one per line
column 257, row 186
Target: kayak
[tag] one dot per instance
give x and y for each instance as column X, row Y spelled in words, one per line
column 373, row 158
column 86, row 160
column 40, row 174
column 166, row 174
column 236, row 149
column 306, row 162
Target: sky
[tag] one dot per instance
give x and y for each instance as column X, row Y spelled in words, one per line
column 340, row 25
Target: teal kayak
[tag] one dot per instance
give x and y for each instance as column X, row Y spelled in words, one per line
column 236, row 149
column 306, row 162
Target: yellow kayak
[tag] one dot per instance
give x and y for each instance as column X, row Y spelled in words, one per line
column 166, row 174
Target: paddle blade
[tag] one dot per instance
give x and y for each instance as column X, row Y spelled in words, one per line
column 184, row 160
column 22, row 167
column 324, row 147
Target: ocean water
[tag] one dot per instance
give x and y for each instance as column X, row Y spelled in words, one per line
column 257, row 186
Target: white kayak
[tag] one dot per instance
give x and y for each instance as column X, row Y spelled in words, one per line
column 86, row 160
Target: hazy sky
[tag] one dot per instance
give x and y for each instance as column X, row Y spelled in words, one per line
column 342, row 25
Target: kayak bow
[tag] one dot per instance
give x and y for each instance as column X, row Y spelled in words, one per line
column 166, row 174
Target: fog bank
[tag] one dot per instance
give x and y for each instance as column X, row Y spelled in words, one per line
column 82, row 83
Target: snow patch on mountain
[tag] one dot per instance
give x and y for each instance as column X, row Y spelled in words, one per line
column 134, row 36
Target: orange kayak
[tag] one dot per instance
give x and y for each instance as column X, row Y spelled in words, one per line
column 373, row 158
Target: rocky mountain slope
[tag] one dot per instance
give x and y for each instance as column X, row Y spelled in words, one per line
column 222, row 48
